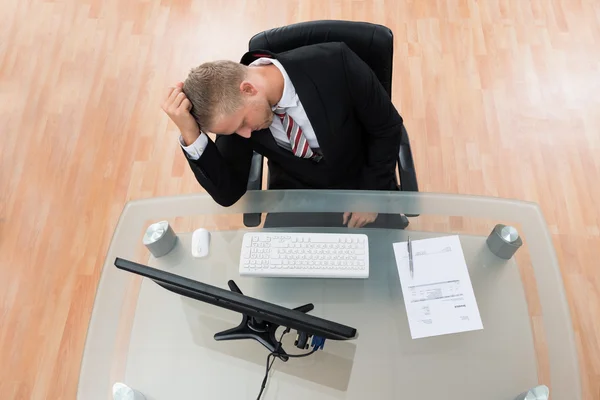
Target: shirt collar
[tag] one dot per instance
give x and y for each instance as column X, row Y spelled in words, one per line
column 289, row 97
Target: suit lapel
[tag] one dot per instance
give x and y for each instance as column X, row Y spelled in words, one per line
column 265, row 138
column 313, row 104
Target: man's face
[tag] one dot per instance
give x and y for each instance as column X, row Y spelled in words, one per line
column 254, row 114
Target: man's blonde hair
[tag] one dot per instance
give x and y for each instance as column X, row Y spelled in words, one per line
column 213, row 88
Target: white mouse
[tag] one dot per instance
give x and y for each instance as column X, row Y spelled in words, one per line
column 200, row 243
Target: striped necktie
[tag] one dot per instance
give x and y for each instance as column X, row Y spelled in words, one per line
column 298, row 141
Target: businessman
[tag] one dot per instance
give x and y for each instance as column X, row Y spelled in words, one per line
column 318, row 113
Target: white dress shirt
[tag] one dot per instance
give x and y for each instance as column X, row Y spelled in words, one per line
column 289, row 102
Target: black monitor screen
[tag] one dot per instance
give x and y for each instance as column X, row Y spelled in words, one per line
column 238, row 302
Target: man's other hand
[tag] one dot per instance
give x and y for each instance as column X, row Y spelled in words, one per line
column 358, row 220
column 177, row 106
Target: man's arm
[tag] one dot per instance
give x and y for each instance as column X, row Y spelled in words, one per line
column 380, row 119
column 222, row 168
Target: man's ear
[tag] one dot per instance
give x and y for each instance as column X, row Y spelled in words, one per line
column 247, row 88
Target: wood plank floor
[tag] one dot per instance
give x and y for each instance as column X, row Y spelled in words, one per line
column 500, row 98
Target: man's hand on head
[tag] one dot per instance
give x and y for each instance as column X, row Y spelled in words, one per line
column 358, row 219
column 177, row 106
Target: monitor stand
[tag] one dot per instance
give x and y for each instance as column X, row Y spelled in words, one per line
column 257, row 329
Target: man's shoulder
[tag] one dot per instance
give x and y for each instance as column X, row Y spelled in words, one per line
column 313, row 52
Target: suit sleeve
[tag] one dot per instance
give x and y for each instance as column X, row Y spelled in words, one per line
column 223, row 168
column 379, row 117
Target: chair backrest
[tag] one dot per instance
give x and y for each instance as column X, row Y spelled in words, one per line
column 374, row 44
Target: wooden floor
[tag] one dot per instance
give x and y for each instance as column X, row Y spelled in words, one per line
column 500, row 98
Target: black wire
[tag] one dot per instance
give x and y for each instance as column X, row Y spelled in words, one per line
column 264, row 381
column 277, row 354
column 268, row 367
column 303, row 354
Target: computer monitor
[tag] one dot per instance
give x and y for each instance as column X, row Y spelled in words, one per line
column 260, row 318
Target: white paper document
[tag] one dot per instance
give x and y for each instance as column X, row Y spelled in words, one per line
column 439, row 297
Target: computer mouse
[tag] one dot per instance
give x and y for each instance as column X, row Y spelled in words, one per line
column 200, row 243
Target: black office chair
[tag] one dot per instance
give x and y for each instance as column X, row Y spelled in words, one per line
column 374, row 44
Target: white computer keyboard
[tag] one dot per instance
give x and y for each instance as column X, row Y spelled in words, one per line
column 305, row 255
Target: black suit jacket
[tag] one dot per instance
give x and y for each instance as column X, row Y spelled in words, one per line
column 356, row 124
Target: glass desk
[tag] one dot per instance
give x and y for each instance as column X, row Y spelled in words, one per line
column 162, row 344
